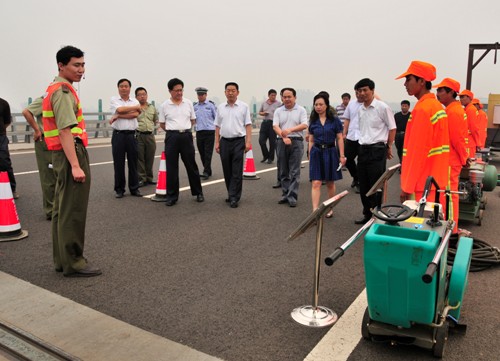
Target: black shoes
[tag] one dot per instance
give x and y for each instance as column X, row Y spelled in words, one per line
column 362, row 220
column 204, row 176
column 88, row 271
column 170, row 202
column 283, row 201
column 277, row 185
column 292, row 204
column 136, row 193
column 233, row 204
column 119, row 195
column 141, row 184
column 263, row 160
column 151, row 182
column 200, row 198
column 269, row 161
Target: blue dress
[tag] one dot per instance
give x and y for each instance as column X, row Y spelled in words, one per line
column 324, row 161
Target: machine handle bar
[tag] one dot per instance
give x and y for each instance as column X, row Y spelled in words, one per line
column 339, row 251
column 432, row 266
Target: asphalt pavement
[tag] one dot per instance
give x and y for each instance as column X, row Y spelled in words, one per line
column 223, row 281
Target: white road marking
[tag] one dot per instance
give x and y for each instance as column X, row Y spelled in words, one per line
column 344, row 336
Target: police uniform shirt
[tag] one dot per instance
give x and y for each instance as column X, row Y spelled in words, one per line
column 35, row 108
column 177, row 116
column 147, row 119
column 233, row 119
column 64, row 105
column 205, row 115
column 375, row 121
column 290, row 118
column 122, row 123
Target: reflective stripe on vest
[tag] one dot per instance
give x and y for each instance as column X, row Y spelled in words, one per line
column 50, row 131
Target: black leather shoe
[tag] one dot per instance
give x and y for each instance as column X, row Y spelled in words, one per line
column 283, row 201
column 88, row 271
column 119, row 195
column 277, row 185
column 233, row 204
column 354, row 184
column 356, row 189
column 200, row 198
column 136, row 193
column 292, row 204
column 263, row 160
column 362, row 220
column 269, row 161
column 227, row 200
column 203, row 176
column 153, row 183
column 170, row 203
column 141, row 184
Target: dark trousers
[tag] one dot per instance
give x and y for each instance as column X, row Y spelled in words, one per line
column 181, row 144
column 267, row 132
column 205, row 140
column 124, row 143
column 399, row 141
column 5, row 163
column 351, row 151
column 69, row 214
column 232, row 152
column 371, row 165
column 47, row 175
column 290, row 158
column 146, row 149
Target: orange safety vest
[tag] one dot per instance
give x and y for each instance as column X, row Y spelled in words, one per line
column 50, row 131
column 473, row 125
column 457, row 126
column 426, row 149
column 483, row 127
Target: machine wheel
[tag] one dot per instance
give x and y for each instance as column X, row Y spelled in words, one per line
column 364, row 326
column 440, row 340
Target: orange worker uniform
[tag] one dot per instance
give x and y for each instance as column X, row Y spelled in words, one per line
column 482, row 120
column 472, row 123
column 458, row 130
column 426, row 149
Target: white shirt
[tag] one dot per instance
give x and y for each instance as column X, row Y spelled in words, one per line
column 122, row 123
column 177, row 116
column 351, row 114
column 233, row 119
column 290, row 118
column 375, row 121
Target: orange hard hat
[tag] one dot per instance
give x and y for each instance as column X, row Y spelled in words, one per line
column 449, row 83
column 467, row 93
column 478, row 102
column 421, row 69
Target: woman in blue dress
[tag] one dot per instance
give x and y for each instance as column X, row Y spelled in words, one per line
column 324, row 130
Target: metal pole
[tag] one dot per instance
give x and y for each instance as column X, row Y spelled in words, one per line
column 319, row 235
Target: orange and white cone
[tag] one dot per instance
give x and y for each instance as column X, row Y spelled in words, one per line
column 161, row 183
column 10, row 226
column 249, row 166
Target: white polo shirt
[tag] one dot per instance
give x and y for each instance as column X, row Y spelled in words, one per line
column 351, row 113
column 289, row 118
column 375, row 121
column 233, row 119
column 177, row 116
column 122, row 123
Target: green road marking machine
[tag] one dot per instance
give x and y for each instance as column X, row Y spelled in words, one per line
column 413, row 296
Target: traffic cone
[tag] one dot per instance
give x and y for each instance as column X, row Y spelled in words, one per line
column 249, row 166
column 10, row 227
column 161, row 183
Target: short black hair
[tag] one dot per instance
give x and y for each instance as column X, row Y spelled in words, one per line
column 289, row 89
column 232, row 83
column 173, row 82
column 65, row 54
column 407, row 102
column 365, row 82
column 123, row 80
column 139, row 89
column 272, row 91
column 449, row 90
column 345, row 95
column 428, row 84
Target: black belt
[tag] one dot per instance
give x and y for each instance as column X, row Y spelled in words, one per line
column 179, row 131
column 375, row 145
column 124, row 131
column 145, row 133
column 324, row 146
column 294, row 138
column 233, row 139
column 267, row 120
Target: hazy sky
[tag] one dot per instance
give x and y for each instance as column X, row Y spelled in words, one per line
column 306, row 44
